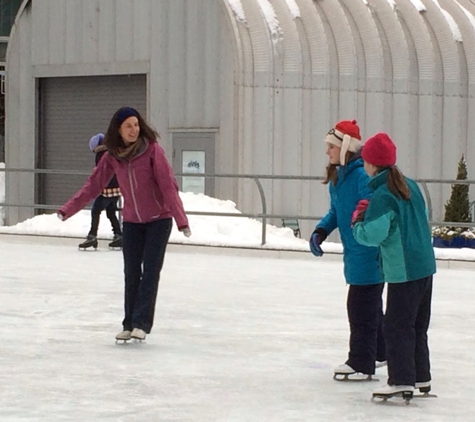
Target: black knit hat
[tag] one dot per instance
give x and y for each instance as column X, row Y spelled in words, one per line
column 124, row 113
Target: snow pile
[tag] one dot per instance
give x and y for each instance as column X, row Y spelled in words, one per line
column 419, row 5
column 272, row 21
column 238, row 10
column 224, row 231
column 451, row 22
column 392, row 3
column 469, row 15
column 206, row 230
column 294, row 8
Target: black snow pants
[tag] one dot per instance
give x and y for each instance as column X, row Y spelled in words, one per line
column 365, row 315
column 406, row 323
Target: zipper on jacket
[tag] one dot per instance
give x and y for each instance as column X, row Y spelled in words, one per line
column 132, row 191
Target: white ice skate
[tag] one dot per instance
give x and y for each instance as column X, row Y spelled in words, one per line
column 123, row 336
column 347, row 373
column 138, row 334
column 389, row 391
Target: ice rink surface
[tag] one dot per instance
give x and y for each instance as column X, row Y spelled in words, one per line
column 238, row 336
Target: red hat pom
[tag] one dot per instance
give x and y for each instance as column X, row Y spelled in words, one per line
column 350, row 128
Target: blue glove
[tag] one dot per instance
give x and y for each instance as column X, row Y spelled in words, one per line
column 316, row 239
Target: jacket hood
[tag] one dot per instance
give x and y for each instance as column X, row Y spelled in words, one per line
column 355, row 162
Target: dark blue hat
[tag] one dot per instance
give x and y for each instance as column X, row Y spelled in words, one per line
column 124, row 113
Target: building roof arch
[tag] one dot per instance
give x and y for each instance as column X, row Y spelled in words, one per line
column 396, row 59
column 464, row 14
column 291, row 46
column 446, row 33
column 418, row 35
column 21, row 10
column 234, row 20
column 367, row 44
column 260, row 36
column 316, row 37
column 340, row 39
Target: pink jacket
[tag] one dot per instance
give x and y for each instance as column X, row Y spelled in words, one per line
column 146, row 182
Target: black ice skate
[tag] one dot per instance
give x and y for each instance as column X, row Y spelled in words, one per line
column 381, row 395
column 116, row 242
column 347, row 373
column 90, row 242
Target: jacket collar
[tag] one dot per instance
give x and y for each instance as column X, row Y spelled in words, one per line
column 355, row 162
column 379, row 179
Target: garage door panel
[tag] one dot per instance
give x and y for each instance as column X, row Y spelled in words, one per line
column 72, row 110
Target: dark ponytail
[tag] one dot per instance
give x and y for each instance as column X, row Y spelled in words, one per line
column 397, row 183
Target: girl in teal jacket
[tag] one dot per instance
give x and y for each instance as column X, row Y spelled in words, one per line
column 396, row 221
column 347, row 182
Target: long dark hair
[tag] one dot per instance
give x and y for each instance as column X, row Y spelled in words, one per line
column 397, row 183
column 331, row 174
column 114, row 142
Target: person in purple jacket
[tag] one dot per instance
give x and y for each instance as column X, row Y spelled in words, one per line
column 151, row 200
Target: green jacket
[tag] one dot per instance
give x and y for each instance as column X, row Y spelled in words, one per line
column 401, row 230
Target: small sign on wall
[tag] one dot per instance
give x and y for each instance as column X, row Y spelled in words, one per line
column 193, row 162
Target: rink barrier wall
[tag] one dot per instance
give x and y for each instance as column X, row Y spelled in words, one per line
column 450, row 264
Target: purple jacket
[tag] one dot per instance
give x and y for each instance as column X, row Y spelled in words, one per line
column 146, row 182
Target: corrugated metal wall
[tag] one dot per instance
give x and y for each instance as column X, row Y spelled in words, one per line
column 272, row 81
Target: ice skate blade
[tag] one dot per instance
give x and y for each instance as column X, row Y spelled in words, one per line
column 384, row 398
column 87, row 248
column 354, row 377
column 386, row 402
column 129, row 342
column 425, row 396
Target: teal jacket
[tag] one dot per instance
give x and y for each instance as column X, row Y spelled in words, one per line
column 401, row 230
column 360, row 262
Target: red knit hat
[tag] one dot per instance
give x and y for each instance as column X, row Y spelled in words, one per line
column 345, row 135
column 379, row 151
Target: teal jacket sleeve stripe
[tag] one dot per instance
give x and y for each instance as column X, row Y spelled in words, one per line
column 373, row 232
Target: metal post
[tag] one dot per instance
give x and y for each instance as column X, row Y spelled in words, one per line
column 264, row 210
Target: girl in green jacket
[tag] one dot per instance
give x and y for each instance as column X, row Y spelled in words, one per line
column 396, row 221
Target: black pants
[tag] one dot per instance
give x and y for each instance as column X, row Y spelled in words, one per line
column 100, row 204
column 406, row 323
column 143, row 247
column 365, row 315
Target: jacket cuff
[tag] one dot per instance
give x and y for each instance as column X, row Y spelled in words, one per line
column 322, row 233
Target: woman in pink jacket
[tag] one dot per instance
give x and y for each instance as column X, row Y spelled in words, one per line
column 151, row 200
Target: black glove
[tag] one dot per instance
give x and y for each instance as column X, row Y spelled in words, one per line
column 316, row 239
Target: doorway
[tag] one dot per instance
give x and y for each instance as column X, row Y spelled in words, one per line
column 194, row 153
